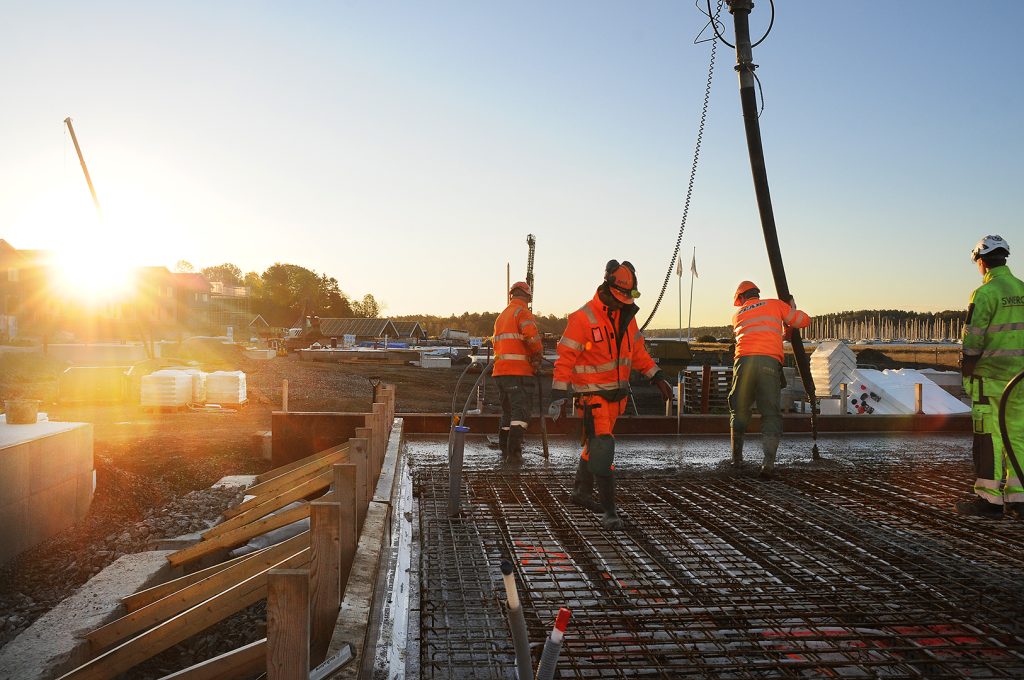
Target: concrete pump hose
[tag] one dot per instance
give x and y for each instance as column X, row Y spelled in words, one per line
column 521, row 643
column 1002, row 424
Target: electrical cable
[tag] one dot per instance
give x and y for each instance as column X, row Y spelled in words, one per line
column 771, row 22
column 693, row 168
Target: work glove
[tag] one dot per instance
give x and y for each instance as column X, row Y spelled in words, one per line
column 663, row 387
column 558, row 399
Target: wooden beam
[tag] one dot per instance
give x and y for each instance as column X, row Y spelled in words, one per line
column 296, row 493
column 283, row 469
column 345, row 496
column 282, row 483
column 150, row 595
column 243, row 662
column 118, row 630
column 238, row 536
column 181, row 627
column 324, row 574
column 288, row 624
column 359, row 455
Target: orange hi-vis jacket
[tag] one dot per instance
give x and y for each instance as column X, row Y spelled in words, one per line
column 516, row 340
column 760, row 327
column 595, row 357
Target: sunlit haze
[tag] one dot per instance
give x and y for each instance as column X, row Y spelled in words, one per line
column 408, row 148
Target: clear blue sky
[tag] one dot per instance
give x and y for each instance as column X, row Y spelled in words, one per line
column 407, row 148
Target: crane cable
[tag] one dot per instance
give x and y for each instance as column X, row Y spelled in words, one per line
column 696, row 157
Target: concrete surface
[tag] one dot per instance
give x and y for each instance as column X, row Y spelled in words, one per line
column 52, row 646
column 47, row 482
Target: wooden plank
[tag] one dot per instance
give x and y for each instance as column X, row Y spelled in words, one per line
column 181, row 627
column 191, row 595
column 282, row 483
column 324, row 575
column 344, row 487
column 149, row 595
column 288, row 624
column 297, row 493
column 359, row 455
column 283, row 469
column 238, row 536
column 243, row 662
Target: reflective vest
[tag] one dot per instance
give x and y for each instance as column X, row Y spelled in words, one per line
column 516, row 340
column 595, row 358
column 760, row 327
column 993, row 342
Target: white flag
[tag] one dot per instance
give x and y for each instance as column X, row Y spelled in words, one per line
column 679, row 266
column 693, row 265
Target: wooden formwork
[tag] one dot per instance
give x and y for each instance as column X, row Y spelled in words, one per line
column 303, row 578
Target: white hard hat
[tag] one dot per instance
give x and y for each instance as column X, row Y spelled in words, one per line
column 987, row 245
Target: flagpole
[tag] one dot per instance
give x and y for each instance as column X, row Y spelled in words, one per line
column 689, row 318
column 679, row 276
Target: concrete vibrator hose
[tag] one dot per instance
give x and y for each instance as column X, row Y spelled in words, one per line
column 1003, row 399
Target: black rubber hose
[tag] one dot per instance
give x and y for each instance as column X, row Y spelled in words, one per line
column 1002, row 424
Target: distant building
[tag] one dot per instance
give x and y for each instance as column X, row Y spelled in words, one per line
column 409, row 330
column 362, row 329
column 12, row 265
column 230, row 307
column 192, row 300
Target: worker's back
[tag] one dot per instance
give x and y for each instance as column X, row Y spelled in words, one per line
column 516, row 340
column 759, row 326
column 995, row 326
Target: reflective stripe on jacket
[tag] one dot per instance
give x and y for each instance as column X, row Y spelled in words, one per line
column 993, row 342
column 760, row 327
column 516, row 340
column 593, row 360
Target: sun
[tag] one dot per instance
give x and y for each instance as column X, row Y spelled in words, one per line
column 91, row 274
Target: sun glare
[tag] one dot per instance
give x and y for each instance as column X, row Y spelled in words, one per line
column 91, row 275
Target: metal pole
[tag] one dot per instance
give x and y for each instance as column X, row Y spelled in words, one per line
column 740, row 10
column 689, row 318
column 456, row 453
column 81, row 159
column 679, row 276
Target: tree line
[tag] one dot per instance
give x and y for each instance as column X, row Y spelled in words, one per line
column 283, row 292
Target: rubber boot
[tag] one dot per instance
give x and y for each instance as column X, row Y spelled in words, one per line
column 515, row 445
column 770, row 443
column 606, row 490
column 736, row 441
column 583, row 488
column 503, row 443
column 979, row 507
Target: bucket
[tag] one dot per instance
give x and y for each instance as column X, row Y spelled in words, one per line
column 21, row 411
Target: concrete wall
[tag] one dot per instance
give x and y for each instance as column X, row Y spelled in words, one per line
column 46, row 482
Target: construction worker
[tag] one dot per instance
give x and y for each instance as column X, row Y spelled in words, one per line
column 759, row 327
column 517, row 355
column 993, row 353
column 600, row 347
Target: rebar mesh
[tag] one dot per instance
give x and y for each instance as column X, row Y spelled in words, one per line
column 859, row 574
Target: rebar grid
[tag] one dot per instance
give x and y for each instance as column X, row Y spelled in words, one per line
column 853, row 574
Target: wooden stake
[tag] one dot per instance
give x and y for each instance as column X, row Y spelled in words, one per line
column 284, row 395
column 324, row 574
column 359, row 455
column 288, row 624
column 345, row 495
column 238, row 536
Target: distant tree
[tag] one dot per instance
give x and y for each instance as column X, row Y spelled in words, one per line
column 288, row 290
column 184, row 267
column 226, row 273
column 254, row 283
column 368, row 308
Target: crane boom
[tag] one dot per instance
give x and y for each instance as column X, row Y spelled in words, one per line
column 85, row 169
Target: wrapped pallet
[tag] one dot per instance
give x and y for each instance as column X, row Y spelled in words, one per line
column 167, row 388
column 226, row 388
column 198, row 385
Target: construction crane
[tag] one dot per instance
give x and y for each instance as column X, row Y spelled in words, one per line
column 85, row 169
column 531, row 242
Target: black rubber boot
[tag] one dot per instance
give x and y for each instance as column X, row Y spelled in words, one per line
column 770, row 444
column 737, row 448
column 1014, row 510
column 583, row 488
column 979, row 507
column 606, row 490
column 503, row 443
column 515, row 445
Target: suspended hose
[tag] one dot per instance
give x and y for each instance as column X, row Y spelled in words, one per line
column 693, row 174
column 1002, row 424
column 487, row 371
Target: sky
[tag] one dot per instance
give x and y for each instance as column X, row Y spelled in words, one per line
column 408, row 148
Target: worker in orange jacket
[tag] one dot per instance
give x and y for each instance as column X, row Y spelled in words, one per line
column 517, row 355
column 759, row 326
column 599, row 348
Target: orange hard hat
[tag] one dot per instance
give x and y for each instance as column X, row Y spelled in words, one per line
column 621, row 280
column 522, row 287
column 744, row 287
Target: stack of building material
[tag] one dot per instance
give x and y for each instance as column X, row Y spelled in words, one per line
column 198, row 385
column 831, row 364
column 226, row 388
column 167, row 388
column 892, row 392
